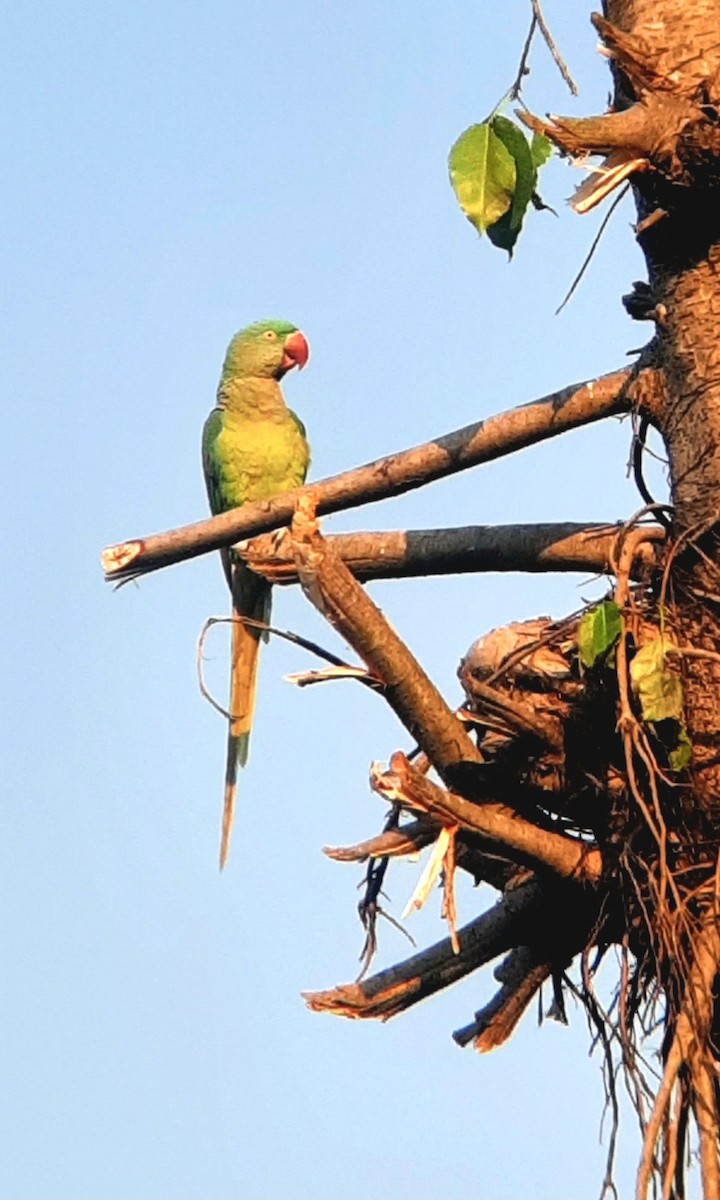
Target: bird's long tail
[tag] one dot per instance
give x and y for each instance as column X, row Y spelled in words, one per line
column 251, row 598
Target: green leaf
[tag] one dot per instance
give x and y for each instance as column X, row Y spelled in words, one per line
column 681, row 756
column 598, row 631
column 540, row 149
column 504, row 233
column 658, row 689
column 482, row 173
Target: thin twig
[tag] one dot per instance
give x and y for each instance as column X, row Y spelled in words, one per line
column 562, row 68
column 369, row 907
column 593, row 247
column 523, row 69
column 288, row 636
column 639, row 447
column 696, row 652
column 600, row 1021
column 200, row 659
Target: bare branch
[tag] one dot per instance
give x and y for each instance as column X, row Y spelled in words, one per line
column 498, row 823
column 399, row 554
column 392, row 991
column 434, row 726
column 633, row 139
column 482, row 442
column 559, row 61
column 643, row 130
column 329, row 585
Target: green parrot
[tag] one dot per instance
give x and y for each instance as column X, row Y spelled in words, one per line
column 253, row 447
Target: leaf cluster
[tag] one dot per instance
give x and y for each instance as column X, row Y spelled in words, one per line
column 656, row 685
column 494, row 172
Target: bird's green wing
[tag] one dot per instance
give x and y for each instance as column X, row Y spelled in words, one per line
column 213, row 476
column 303, row 434
column 211, row 465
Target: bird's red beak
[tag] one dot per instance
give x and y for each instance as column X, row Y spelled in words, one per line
column 296, row 351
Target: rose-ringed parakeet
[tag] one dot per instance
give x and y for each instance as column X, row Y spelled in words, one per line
column 253, row 447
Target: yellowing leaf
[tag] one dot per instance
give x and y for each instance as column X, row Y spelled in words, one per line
column 482, row 173
column 658, row 689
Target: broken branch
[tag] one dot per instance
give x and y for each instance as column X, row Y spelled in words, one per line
column 527, row 843
column 413, row 837
column 391, row 843
column 399, row 987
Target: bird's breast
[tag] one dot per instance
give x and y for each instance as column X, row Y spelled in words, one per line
column 260, row 457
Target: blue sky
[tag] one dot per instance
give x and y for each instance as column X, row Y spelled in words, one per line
column 177, row 171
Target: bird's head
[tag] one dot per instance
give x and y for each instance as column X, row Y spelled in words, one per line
column 267, row 350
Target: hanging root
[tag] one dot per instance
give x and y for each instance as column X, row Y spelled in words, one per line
column 689, row 1052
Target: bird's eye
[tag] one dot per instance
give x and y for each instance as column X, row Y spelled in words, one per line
column 270, row 334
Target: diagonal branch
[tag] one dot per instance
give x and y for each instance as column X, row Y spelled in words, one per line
column 549, row 42
column 403, row 554
column 527, row 916
column 328, row 584
column 492, row 438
